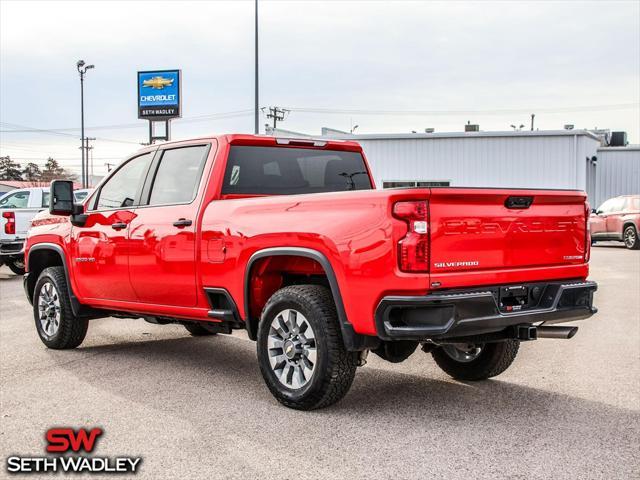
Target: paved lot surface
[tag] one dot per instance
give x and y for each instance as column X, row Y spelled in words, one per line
column 197, row 407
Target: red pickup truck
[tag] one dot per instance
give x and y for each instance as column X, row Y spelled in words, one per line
column 290, row 240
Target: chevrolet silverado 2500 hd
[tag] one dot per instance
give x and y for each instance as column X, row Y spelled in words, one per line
column 289, row 239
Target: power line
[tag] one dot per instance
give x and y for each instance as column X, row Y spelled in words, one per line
column 123, row 126
column 75, row 159
column 32, row 129
column 53, row 132
column 582, row 108
column 31, row 150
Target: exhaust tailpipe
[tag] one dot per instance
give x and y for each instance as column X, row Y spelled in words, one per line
column 557, row 332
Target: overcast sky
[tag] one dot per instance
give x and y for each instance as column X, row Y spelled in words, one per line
column 569, row 62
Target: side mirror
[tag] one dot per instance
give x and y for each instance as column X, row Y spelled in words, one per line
column 593, row 210
column 61, row 195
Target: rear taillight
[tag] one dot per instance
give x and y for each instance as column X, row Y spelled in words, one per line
column 413, row 248
column 587, row 235
column 10, row 226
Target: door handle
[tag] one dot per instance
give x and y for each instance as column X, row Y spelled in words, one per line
column 118, row 225
column 183, row 222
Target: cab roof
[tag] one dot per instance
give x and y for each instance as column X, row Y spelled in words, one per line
column 267, row 141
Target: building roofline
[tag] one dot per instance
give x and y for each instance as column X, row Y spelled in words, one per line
column 522, row 133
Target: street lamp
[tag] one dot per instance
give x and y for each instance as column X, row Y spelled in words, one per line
column 256, row 115
column 82, row 70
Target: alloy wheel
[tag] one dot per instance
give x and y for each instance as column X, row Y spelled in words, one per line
column 629, row 237
column 292, row 348
column 49, row 309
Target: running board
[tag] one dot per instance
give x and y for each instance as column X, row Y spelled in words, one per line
column 221, row 314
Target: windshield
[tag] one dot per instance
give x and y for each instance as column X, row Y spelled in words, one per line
column 286, row 171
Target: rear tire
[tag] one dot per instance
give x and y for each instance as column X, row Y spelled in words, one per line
column 300, row 349
column 57, row 326
column 17, row 266
column 630, row 238
column 198, row 330
column 492, row 360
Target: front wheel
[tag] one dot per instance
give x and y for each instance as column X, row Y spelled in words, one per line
column 300, row 349
column 57, row 326
column 17, row 266
column 630, row 237
column 476, row 361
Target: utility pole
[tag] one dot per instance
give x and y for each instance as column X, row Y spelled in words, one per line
column 85, row 155
column 277, row 114
column 89, row 156
column 82, row 70
column 256, row 128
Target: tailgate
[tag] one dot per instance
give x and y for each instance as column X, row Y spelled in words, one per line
column 23, row 218
column 486, row 229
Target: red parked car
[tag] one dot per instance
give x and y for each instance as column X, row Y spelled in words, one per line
column 617, row 219
column 290, row 240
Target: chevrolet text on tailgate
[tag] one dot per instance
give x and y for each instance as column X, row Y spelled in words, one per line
column 289, row 239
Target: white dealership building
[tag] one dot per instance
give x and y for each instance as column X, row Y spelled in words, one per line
column 568, row 159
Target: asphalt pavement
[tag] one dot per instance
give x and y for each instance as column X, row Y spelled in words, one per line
column 198, row 408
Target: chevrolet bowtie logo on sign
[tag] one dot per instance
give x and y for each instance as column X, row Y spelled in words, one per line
column 159, row 94
column 158, row 82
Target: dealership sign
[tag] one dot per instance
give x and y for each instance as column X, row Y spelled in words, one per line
column 64, row 454
column 159, row 94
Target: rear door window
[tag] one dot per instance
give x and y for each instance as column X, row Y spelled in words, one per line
column 287, row 171
column 178, row 175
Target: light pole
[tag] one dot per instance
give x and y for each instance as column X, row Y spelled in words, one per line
column 82, row 70
column 256, row 128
